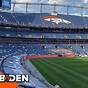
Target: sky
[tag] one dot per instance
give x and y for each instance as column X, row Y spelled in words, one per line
column 66, row 2
column 80, row 2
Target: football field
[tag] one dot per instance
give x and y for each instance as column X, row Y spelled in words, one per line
column 66, row 72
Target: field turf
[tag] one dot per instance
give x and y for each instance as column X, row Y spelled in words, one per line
column 66, row 72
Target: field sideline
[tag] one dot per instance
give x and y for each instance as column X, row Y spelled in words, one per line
column 66, row 72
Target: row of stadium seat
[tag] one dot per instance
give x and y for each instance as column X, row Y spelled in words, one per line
column 33, row 49
column 12, row 65
column 37, row 19
column 27, row 34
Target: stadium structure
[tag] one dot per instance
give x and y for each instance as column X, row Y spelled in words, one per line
column 43, row 34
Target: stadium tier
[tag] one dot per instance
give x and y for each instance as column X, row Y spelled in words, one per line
column 42, row 19
column 8, row 32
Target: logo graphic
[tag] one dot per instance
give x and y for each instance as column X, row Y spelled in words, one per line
column 56, row 19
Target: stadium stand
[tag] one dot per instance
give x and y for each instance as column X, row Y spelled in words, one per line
column 39, row 34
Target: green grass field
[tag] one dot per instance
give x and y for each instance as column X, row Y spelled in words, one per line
column 67, row 72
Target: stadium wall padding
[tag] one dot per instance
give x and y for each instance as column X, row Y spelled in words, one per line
column 50, row 56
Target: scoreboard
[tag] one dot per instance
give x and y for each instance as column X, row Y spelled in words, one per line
column 5, row 4
column 0, row 3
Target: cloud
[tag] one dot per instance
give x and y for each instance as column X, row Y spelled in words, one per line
column 85, row 1
column 55, row 1
column 39, row 1
column 22, row 0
